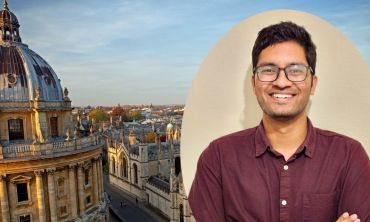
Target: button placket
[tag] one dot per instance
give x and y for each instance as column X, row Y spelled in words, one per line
column 285, row 188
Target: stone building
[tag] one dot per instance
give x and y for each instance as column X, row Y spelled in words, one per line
column 48, row 171
column 150, row 172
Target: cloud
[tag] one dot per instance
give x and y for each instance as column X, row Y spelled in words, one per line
column 83, row 28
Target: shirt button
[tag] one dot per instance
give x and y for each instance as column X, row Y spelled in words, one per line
column 284, row 202
column 286, row 167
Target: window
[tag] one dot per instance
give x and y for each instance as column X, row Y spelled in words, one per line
column 15, row 127
column 21, row 185
column 54, row 126
column 177, row 166
column 124, row 167
column 61, row 187
column 22, row 192
column 88, row 200
column 25, row 218
column 135, row 174
column 63, row 211
column 113, row 166
column 87, row 177
column 181, row 208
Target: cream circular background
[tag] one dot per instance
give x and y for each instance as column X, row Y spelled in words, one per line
column 221, row 100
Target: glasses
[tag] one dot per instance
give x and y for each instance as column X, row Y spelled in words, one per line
column 294, row 72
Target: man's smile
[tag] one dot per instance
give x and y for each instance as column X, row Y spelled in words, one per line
column 281, row 97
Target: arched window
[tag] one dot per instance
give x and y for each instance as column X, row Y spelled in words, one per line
column 177, row 165
column 7, row 33
column 135, row 179
column 124, row 167
column 181, row 209
column 113, row 166
column 54, row 126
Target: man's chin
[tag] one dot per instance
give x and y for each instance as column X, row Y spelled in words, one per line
column 282, row 117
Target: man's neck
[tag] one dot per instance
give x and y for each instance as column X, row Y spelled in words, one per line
column 286, row 136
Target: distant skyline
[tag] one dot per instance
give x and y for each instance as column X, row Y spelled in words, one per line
column 143, row 52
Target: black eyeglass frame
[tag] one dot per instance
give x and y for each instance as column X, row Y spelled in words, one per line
column 308, row 68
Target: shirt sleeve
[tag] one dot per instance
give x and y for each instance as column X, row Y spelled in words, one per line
column 355, row 197
column 205, row 197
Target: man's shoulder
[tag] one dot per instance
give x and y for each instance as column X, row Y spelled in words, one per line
column 335, row 136
column 230, row 145
column 341, row 140
column 238, row 136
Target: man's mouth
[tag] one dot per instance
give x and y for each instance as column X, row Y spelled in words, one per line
column 281, row 96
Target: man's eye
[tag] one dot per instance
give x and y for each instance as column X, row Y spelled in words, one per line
column 267, row 71
column 296, row 71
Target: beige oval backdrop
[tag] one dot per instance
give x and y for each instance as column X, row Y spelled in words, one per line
column 221, row 100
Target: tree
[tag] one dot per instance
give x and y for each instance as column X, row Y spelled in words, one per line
column 120, row 112
column 135, row 115
column 98, row 114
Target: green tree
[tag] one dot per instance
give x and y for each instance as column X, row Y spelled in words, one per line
column 136, row 115
column 98, row 115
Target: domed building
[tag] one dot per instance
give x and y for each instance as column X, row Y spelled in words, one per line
column 48, row 170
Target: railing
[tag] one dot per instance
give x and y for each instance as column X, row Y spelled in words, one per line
column 29, row 150
column 26, row 105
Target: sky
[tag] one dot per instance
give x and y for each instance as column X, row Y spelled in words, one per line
column 149, row 51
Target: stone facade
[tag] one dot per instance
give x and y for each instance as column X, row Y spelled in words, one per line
column 150, row 172
column 49, row 171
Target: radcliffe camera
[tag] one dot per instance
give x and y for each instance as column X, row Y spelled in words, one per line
column 60, row 162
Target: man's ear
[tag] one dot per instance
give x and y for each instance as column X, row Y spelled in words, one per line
column 313, row 84
column 253, row 78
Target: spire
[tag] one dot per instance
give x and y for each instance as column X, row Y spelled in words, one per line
column 6, row 5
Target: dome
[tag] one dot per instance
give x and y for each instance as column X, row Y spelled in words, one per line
column 7, row 16
column 169, row 126
column 24, row 75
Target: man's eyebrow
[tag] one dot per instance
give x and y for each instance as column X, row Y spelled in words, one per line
column 273, row 64
column 267, row 64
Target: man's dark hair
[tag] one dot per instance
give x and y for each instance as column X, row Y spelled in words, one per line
column 282, row 32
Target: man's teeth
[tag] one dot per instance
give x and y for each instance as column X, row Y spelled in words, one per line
column 281, row 95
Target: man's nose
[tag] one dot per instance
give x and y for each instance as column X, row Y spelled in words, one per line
column 282, row 81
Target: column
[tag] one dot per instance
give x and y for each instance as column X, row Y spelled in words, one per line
column 102, row 175
column 40, row 195
column 81, row 196
column 4, row 199
column 52, row 197
column 72, row 190
column 95, row 180
column 99, row 176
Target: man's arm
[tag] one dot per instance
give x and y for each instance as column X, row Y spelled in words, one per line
column 205, row 197
column 355, row 196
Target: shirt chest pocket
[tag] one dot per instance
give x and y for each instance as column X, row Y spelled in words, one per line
column 320, row 207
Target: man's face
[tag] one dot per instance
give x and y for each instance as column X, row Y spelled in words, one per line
column 283, row 99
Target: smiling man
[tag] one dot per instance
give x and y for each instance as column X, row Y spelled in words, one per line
column 285, row 169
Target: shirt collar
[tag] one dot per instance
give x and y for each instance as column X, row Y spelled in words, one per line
column 262, row 144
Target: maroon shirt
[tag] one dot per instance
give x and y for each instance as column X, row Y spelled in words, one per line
column 241, row 178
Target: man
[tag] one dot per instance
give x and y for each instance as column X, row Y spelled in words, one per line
column 284, row 169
